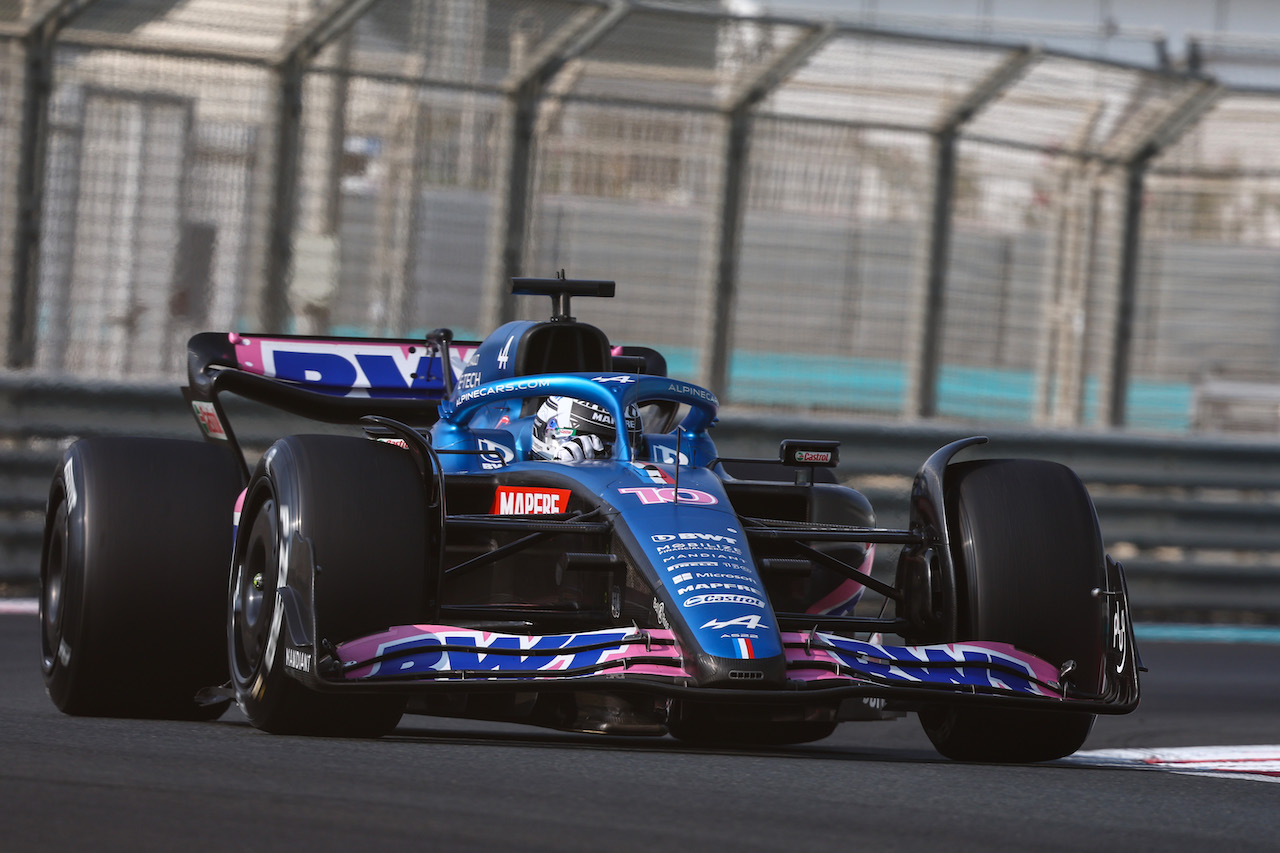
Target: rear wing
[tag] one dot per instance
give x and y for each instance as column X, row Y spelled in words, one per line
column 327, row 376
column 329, row 379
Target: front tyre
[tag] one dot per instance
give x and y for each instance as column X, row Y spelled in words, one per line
column 1028, row 555
column 357, row 509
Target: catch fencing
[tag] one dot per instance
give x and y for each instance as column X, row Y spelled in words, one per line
column 801, row 213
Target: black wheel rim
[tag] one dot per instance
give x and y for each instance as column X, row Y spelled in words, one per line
column 53, row 575
column 253, row 598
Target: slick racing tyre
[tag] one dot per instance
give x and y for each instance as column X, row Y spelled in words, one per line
column 355, row 508
column 137, row 542
column 1028, row 555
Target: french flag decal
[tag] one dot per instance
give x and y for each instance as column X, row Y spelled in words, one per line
column 657, row 475
column 743, row 645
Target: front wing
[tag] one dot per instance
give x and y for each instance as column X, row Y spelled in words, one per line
column 820, row 665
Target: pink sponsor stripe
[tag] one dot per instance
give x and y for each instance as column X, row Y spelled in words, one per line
column 847, row 591
column 248, row 353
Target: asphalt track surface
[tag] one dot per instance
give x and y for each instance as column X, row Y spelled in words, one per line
column 71, row 783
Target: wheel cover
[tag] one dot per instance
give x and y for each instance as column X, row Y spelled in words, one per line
column 253, row 597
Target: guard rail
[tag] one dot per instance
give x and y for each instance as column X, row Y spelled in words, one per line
column 1196, row 521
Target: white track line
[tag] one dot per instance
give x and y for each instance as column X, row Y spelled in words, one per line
column 1259, row 763
column 19, row 605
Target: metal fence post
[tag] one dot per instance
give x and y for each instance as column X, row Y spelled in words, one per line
column 513, row 217
column 290, row 66
column 713, row 370
column 274, row 311
column 37, row 89
column 925, row 383
column 922, row 398
column 718, row 340
column 1135, row 174
column 524, row 93
column 1189, row 110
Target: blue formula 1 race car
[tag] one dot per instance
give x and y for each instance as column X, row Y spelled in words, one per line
column 538, row 528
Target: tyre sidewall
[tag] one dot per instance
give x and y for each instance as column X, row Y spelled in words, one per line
column 134, row 544
column 320, row 486
column 61, row 603
column 264, row 692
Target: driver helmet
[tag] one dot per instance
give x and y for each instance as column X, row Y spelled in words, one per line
column 565, row 423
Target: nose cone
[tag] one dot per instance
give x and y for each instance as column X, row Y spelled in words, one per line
column 745, row 673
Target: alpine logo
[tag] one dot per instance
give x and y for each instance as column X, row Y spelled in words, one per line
column 1119, row 638
column 751, row 622
column 654, row 495
column 505, row 355
column 522, row 500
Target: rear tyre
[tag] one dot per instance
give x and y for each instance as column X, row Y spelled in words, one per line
column 134, row 564
column 1028, row 555
column 361, row 507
